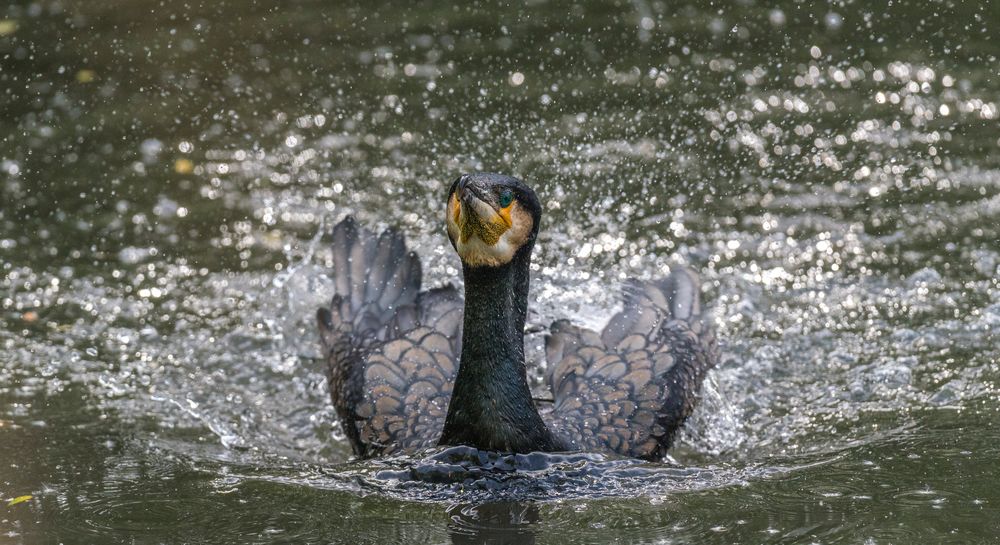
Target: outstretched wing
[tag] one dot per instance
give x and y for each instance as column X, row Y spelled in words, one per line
column 391, row 350
column 629, row 389
column 408, row 380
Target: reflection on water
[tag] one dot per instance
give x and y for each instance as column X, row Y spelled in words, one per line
column 168, row 173
column 493, row 523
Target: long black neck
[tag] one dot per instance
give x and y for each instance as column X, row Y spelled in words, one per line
column 491, row 406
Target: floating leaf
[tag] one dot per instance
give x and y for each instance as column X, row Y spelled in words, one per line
column 85, row 76
column 7, row 27
column 183, row 166
column 17, row 500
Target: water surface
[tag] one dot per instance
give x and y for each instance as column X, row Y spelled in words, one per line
column 169, row 171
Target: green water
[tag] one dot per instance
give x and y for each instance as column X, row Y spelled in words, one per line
column 168, row 169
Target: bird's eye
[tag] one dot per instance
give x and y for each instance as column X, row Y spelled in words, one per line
column 506, row 197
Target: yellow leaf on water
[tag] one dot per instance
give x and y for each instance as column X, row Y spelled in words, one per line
column 17, row 500
column 86, row 76
column 183, row 166
column 7, row 27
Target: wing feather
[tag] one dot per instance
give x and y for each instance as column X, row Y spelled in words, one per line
column 392, row 351
column 629, row 389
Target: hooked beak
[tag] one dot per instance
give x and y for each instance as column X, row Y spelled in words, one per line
column 475, row 216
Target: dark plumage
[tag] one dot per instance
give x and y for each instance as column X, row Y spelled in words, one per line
column 393, row 352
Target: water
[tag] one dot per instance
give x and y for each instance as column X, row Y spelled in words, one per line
column 167, row 173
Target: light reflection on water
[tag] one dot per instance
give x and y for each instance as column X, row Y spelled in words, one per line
column 166, row 183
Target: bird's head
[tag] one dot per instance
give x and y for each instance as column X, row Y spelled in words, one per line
column 491, row 217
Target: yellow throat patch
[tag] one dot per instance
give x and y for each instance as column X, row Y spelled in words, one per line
column 484, row 236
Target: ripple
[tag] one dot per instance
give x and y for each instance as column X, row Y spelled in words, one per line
column 464, row 474
column 148, row 515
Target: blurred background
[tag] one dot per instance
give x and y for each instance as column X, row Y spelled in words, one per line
column 169, row 170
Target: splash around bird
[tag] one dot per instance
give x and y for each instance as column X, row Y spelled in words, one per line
column 410, row 369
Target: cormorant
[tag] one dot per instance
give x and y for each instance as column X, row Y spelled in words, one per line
column 410, row 369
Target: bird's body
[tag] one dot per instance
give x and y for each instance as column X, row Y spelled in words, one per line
column 411, row 369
